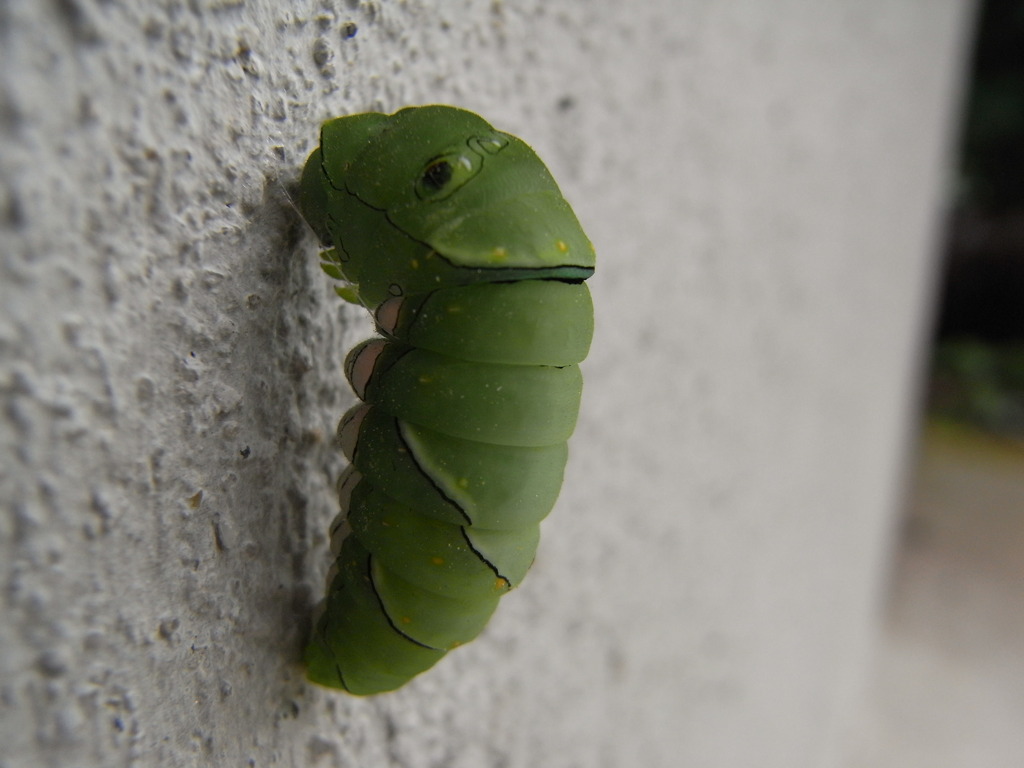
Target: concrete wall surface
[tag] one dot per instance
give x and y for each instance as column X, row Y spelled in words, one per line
column 762, row 182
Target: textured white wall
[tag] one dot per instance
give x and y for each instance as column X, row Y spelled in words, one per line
column 761, row 181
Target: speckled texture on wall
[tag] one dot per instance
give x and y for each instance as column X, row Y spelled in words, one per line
column 761, row 182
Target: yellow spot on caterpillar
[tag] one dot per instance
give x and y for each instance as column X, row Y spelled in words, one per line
column 453, row 309
column 425, row 379
column 561, row 245
column 437, row 560
column 406, row 620
column 500, row 584
column 499, row 253
column 414, row 263
column 462, row 482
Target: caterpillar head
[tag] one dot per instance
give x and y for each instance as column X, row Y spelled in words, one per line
column 435, row 196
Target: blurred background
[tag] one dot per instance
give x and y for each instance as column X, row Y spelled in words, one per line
column 948, row 688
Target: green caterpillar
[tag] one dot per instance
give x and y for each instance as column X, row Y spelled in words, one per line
column 458, row 241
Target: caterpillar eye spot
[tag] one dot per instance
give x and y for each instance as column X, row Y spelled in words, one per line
column 447, row 173
column 436, row 176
